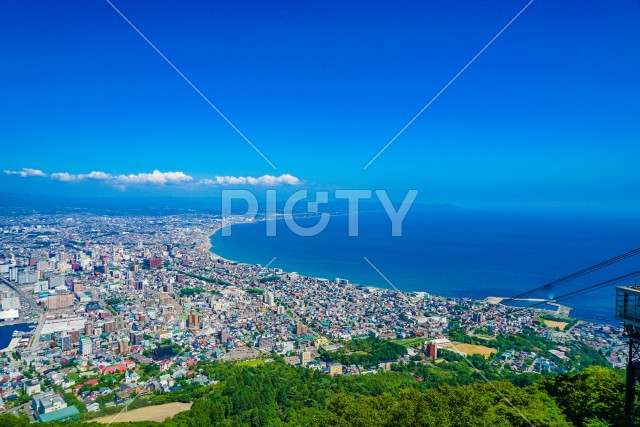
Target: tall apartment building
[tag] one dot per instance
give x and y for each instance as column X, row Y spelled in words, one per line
column 193, row 321
column 109, row 326
column 58, row 301
column 77, row 286
column 432, row 351
column 335, row 369
column 268, row 298
column 305, row 358
column 301, row 329
column 135, row 337
column 55, row 281
column 28, row 276
column 123, row 346
column 86, row 346
column 13, row 273
column 65, row 342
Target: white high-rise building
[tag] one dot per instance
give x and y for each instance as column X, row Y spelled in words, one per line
column 86, row 346
column 269, row 299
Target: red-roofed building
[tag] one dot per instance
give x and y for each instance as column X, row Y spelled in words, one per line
column 121, row 367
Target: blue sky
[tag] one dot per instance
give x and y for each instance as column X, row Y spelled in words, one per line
column 546, row 116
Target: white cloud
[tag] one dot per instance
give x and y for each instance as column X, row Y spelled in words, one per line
column 97, row 175
column 25, row 172
column 159, row 178
column 156, row 177
column 66, row 177
column 268, row 180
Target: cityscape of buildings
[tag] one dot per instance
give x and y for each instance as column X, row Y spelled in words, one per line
column 112, row 294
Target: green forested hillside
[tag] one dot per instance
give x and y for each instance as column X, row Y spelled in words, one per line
column 276, row 394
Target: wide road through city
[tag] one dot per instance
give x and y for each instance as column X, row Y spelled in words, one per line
column 33, row 306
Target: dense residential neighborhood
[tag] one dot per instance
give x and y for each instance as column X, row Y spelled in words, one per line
column 124, row 306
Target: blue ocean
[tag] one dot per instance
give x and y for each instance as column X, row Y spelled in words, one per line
column 454, row 253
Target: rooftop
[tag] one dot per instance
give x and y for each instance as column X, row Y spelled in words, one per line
column 60, row 414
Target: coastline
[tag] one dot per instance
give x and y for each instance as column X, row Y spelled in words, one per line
column 489, row 299
column 12, row 342
column 208, row 246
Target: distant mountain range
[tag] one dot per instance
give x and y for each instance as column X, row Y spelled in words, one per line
column 22, row 203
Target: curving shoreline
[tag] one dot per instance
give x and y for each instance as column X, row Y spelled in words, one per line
column 209, row 247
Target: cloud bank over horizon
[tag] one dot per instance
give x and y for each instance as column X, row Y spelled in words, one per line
column 249, row 180
column 157, row 178
column 25, row 172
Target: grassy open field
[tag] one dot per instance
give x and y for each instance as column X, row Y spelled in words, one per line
column 156, row 413
column 475, row 349
column 412, row 342
column 555, row 324
column 484, row 337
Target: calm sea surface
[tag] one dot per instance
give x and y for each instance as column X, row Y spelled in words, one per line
column 454, row 253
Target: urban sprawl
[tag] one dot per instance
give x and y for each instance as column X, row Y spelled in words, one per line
column 117, row 294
